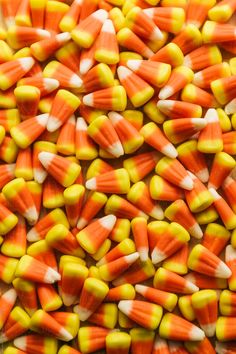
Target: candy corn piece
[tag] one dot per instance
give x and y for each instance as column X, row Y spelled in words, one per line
column 37, row 9
column 106, row 315
column 103, row 133
column 197, row 11
column 138, row 22
column 203, row 57
column 176, row 328
column 7, row 301
column 14, row 244
column 176, row 236
column 130, row 138
column 39, row 172
column 178, row 261
column 226, row 213
column 179, row 130
column 64, row 171
column 224, row 348
column 215, row 238
column 178, row 109
column 97, row 78
column 160, row 346
column 54, row 12
column 63, row 106
column 138, row 91
column 205, row 305
column 73, row 196
column 9, row 118
column 210, row 138
column 150, row 132
column 24, row 166
column 8, row 150
column 222, row 165
column 204, row 77
column 42, row 50
column 114, row 269
column 128, row 39
column 224, row 89
column 60, row 238
column 160, row 189
column 139, row 229
column 141, row 339
column 169, row 54
column 35, row 342
column 12, row 71
column 42, row 252
column 69, row 55
column 70, row 19
column 107, row 50
column 26, row 292
column 222, row 11
column 29, row 130
column 138, row 272
column 228, row 187
column 230, row 261
column 41, row 321
column 27, row 99
column 84, row 146
column 121, row 208
column 167, row 19
column 45, row 85
column 225, row 329
column 140, row 165
column 40, row 229
column 206, row 282
column 171, row 282
column 92, row 236
column 196, row 95
column 17, row 193
column 48, row 297
column 7, row 173
column 13, row 350
column 174, row 172
column 228, row 142
column 42, row 273
column 112, row 99
column 116, row 181
column 92, row 338
column 17, row 323
column 156, row 74
column 118, row 342
column 226, row 303
column 159, row 297
column 66, row 77
column 147, row 315
column 122, row 292
column 205, row 262
column 200, row 347
column 73, row 277
column 66, row 138
column 199, row 198
column 21, row 36
column 179, row 77
column 213, row 32
column 88, row 29
column 91, row 207
column 93, row 293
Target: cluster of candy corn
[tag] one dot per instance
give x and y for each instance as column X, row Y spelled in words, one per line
column 118, row 176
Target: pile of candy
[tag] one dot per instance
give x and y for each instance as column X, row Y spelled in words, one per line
column 117, row 176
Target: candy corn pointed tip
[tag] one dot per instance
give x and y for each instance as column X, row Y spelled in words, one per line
column 230, row 253
column 26, row 63
column 108, row 26
column 165, row 104
column 42, row 119
column 187, row 183
column 63, row 37
column 157, row 213
column 76, row 81
column 143, row 254
column 165, row 92
column 131, row 258
column 196, row 231
column 199, row 123
column 214, row 194
column 32, row 236
column 209, row 329
column 134, row 64
column 31, row 215
column 43, row 33
column 223, row 271
column 88, row 100
column 50, row 84
column 156, row 35
column 85, row 65
column 115, row 117
column 39, row 175
column 191, row 287
column 45, row 158
column 157, row 256
column 91, row 184
column 198, row 79
column 170, row 151
column 65, row 335
column 108, row 221
column 52, row 276
column 123, row 72
column 81, row 223
column 197, row 334
column 101, row 15
column 21, row 342
column 149, row 12
column 203, row 175
column 83, row 313
column 10, row 295
column 125, row 306
column 116, row 149
column 53, row 124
